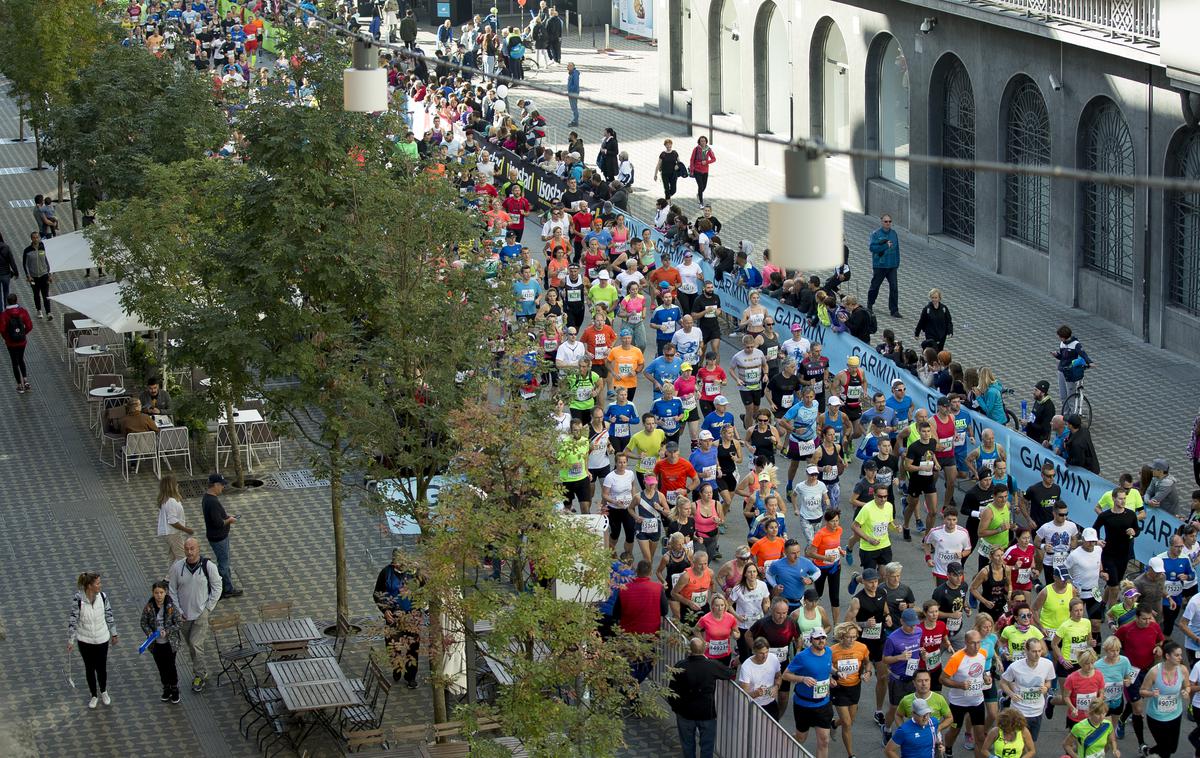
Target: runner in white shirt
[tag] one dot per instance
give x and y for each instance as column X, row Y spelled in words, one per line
column 1083, row 563
column 629, row 276
column 946, row 544
column 691, row 275
column 797, row 346
column 618, row 496
column 1055, row 539
column 570, row 352
column 687, row 340
column 1027, row 680
column 964, row 678
column 810, row 499
column 760, row 677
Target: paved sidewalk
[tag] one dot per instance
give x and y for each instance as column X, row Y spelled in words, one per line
column 1144, row 399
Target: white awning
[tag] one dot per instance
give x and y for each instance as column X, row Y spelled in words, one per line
column 69, row 252
column 103, row 304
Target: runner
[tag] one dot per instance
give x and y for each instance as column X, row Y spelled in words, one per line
column 1026, row 681
column 1178, row 570
column 810, row 499
column 995, row 521
column 711, row 379
column 1118, row 676
column 1039, row 502
column 749, row 366
column 811, row 671
column 625, row 363
column 1082, row 688
column 1020, row 559
column 826, row 552
column 685, row 390
column 917, row 737
column 922, row 467
column 768, row 548
column 720, row 630
column 1118, row 526
column 646, row 447
column 621, row 414
column 781, row 633
column 944, row 433
column 706, row 310
column 989, row 588
column 649, row 515
column 869, row 610
column 853, row 382
column 572, row 455
column 935, row 642
column 1093, row 737
column 1166, row 688
column 1055, row 541
column 965, row 676
column 811, row 615
column 871, row 525
column 751, row 601
column 676, row 559
column 693, row 588
column 946, row 544
column 1010, row 738
column 851, row 669
column 800, row 425
column 951, row 598
column 829, row 459
column 618, row 499
column 901, row 654
column 790, row 577
column 668, row 411
column 761, row 676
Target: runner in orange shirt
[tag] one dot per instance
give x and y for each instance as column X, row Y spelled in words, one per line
column 599, row 338
column 626, row 362
column 851, row 667
column 769, row 548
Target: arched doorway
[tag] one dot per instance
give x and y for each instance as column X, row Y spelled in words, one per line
column 772, row 73
column 888, row 105
column 956, row 120
column 715, row 62
column 829, row 74
column 1183, row 218
column 1106, row 145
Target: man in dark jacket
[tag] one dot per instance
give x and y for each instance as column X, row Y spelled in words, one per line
column 37, row 272
column 935, row 322
column 693, row 690
column 554, row 35
column 640, row 607
column 408, row 30
column 1042, row 411
column 403, row 634
column 858, row 322
column 15, row 326
column 1080, row 450
column 8, row 269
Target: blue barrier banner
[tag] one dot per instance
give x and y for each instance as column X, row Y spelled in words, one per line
column 1081, row 489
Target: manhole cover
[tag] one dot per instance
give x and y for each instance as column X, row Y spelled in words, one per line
column 191, row 488
column 295, row 480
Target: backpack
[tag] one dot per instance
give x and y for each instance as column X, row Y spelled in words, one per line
column 872, row 323
column 14, row 328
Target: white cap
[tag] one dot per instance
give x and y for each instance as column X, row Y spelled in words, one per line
column 834, row 401
column 603, row 274
column 1156, row 565
column 705, row 434
column 812, row 470
column 1089, row 535
column 720, row 400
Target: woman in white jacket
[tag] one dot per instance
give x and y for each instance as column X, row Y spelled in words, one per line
column 91, row 627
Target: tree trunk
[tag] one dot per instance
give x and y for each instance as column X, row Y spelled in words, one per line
column 235, row 446
column 339, row 534
column 74, row 208
column 37, row 147
column 60, row 189
column 20, row 119
column 437, row 661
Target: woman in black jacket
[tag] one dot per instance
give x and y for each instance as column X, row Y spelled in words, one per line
column 162, row 615
column 934, row 322
column 609, row 151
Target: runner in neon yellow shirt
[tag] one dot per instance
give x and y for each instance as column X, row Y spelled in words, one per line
column 872, row 524
column 645, row 447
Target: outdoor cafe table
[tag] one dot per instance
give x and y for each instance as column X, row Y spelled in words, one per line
column 242, row 417
column 306, row 671
column 104, row 394
column 86, row 323
column 267, row 633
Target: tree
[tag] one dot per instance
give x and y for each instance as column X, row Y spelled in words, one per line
column 43, row 43
column 176, row 247
column 126, row 111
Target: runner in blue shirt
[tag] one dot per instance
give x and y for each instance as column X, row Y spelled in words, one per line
column 621, row 416
column 665, row 320
column 902, row 404
column 668, row 410
column 800, row 422
column 1177, row 570
column 528, row 292
column 791, row 575
column 704, row 460
column 511, row 249
column 810, row 671
column 964, row 433
column 718, row 418
column 917, row 737
column 664, row 369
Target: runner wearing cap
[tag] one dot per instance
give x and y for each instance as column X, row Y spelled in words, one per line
column 811, row 672
column 706, row 309
column 704, row 461
column 685, row 390
column 749, row 367
column 917, row 737
column 800, row 424
column 625, row 362
column 796, row 346
column 1087, row 574
column 710, row 380
column 649, row 514
column 621, row 416
column 719, row 417
column 665, row 320
column 603, row 291
column 869, row 610
column 570, row 352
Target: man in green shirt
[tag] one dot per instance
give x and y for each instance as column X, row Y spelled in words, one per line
column 584, row 387
column 924, row 685
column 572, row 458
column 1133, row 498
column 603, row 291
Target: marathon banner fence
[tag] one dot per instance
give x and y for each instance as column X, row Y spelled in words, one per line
column 1081, row 489
column 542, row 188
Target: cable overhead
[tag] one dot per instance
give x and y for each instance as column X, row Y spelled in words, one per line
column 1166, row 184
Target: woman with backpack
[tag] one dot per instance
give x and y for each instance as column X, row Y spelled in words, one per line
column 91, row 627
column 15, row 326
column 702, row 158
column 161, row 615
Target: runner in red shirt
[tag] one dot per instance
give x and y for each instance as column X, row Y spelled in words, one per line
column 710, row 382
column 1141, row 642
column 675, row 475
column 934, row 642
column 581, row 221
column 943, row 449
column 1021, row 558
column 600, row 338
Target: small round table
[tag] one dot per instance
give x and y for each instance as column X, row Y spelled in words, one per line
column 104, row 394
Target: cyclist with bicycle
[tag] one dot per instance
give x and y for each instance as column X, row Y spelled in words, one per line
column 1072, row 362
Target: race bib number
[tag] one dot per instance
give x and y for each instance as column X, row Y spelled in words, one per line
column 700, row 598
column 772, row 352
column 528, row 296
column 753, row 375
column 1076, row 649
column 910, row 667
column 649, row 525
column 601, row 352
column 574, row 296
column 821, row 689
column 1113, row 691
column 583, row 394
column 1133, row 672
column 847, row 667
column 668, row 326
column 926, row 467
column 985, row 548
column 833, row 555
column 960, row 439
column 786, row 401
column 550, row 346
column 1058, row 559
column 1084, row 701
column 620, row 430
column 872, row 631
column 1032, row 695
column 718, row 648
column 805, row 448
column 975, row 684
column 757, row 319
column 829, row 473
column 1050, row 635
column 672, row 496
column 689, row 402
column 712, row 388
column 576, row 470
column 710, row 312
column 688, row 287
column 933, row 660
column 781, row 653
column 708, row 473
column 879, row 529
column 1023, row 574
column 945, row 557
column 634, row 317
column 953, row 624
column 1167, row 703
column 1174, row 588
column 944, row 445
column 624, row 369
column 647, row 464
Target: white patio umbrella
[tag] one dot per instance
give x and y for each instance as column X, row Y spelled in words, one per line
column 103, row 304
column 69, row 252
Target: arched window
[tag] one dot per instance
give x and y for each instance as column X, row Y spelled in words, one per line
column 1027, row 142
column 1183, row 234
column 725, row 62
column 893, row 110
column 829, row 84
column 1105, row 145
column 958, row 141
column 772, row 72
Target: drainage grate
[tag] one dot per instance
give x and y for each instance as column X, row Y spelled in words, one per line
column 20, row 203
column 191, row 488
column 301, row 479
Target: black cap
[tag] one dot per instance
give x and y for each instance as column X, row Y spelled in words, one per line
column 870, row 465
column 943, row 402
column 811, row 594
column 1043, row 386
column 954, row 568
column 217, row 479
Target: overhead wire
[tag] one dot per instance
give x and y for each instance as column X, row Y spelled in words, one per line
column 1164, row 183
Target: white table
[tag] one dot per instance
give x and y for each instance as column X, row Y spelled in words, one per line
column 162, row 421
column 88, row 351
column 104, row 394
column 86, row 323
column 242, row 417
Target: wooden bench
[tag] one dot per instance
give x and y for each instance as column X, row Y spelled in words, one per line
column 374, row 739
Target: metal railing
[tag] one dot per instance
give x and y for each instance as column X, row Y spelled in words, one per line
column 1133, row 20
column 744, row 730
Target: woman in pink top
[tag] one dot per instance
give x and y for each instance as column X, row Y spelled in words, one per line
column 632, row 308
column 720, row 630
column 702, row 158
column 708, row 519
column 1082, row 688
column 685, row 389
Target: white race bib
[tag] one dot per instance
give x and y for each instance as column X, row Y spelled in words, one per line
column 700, row 598
column 847, row 667
column 1032, row 695
column 805, row 447
column 780, row 652
column 668, row 326
column 1058, row 559
column 689, row 402
column 1084, row 701
column 710, row 312
column 647, row 463
column 753, row 375
column 712, row 388
column 975, row 684
column 1173, row 588
column 879, row 529
column 1023, row 575
column 1113, row 691
column 649, row 525
column 910, row 666
column 1167, row 703
column 872, row 631
column 583, row 394
column 786, row 401
column 717, row 648
column 821, row 689
column 672, row 496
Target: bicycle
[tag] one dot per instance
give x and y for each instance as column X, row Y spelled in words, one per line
column 530, row 66
column 1078, row 402
column 1011, row 419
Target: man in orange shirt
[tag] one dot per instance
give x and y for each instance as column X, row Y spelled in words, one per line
column 675, row 475
column 627, row 362
column 599, row 338
column 665, row 273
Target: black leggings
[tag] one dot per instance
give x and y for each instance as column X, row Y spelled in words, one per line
column 618, row 519
column 669, row 181
column 701, row 178
column 835, row 592
column 164, row 658
column 1166, row 735
column 17, row 356
column 95, row 666
column 41, row 292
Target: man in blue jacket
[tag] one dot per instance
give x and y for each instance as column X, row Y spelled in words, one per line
column 885, row 262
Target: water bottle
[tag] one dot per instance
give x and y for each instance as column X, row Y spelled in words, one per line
column 1024, row 410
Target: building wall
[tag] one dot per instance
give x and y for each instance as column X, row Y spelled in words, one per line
column 992, row 56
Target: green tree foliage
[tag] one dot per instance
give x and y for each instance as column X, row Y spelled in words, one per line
column 126, row 111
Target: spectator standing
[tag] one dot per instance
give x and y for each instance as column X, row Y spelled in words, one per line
column 610, row 149
column 394, row 599
column 37, row 272
column 1072, row 362
column 693, row 689
column 1162, row 492
column 8, row 269
column 172, row 522
column 195, row 586
column 885, row 262
column 161, row 615
column 573, row 93
column 216, row 530
column 1080, row 451
column 1037, row 425
column 408, row 30
column 668, row 167
column 15, row 326
column 702, row 157
column 554, row 35
column 91, row 626
column 935, row 322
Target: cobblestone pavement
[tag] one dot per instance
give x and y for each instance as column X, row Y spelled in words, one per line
column 63, row 512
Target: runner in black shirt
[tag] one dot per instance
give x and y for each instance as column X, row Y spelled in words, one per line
column 1120, row 527
column 1041, row 498
column 976, row 499
column 953, row 599
column 785, row 388
column 922, row 467
column 706, row 310
column 888, row 463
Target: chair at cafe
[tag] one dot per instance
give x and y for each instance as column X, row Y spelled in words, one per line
column 335, row 647
column 100, row 381
column 370, row 714
column 275, row 610
column 70, row 333
column 225, row 444
column 235, row 652
column 261, row 438
column 79, row 361
column 264, row 704
column 138, row 447
column 110, row 433
column 173, row 442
